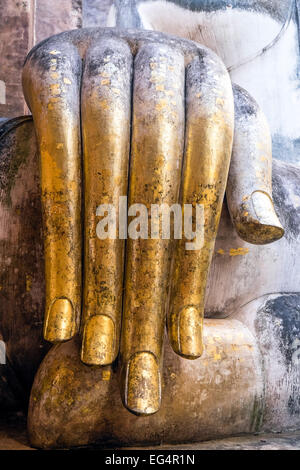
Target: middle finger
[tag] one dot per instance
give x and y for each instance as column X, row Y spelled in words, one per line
column 157, row 148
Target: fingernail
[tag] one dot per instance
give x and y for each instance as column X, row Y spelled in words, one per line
column 267, row 217
column 98, row 341
column 143, row 388
column 60, row 322
column 190, row 333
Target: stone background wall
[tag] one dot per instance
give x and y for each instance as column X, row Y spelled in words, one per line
column 16, row 39
column 94, row 12
column 23, row 24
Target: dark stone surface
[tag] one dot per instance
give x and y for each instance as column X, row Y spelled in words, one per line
column 286, row 309
column 21, row 262
column 283, row 313
column 289, row 212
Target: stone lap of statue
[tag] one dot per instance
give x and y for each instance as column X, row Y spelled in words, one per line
column 79, row 88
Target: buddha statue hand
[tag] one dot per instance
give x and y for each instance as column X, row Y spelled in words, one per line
column 140, row 121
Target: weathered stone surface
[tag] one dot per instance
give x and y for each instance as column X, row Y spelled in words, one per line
column 56, row 16
column 23, row 24
column 257, row 40
column 73, row 404
column 21, row 263
column 275, row 321
column 257, row 270
column 94, row 12
column 16, row 40
column 276, row 8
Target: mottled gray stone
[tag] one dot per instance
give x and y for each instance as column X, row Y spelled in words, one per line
column 23, row 24
column 94, row 12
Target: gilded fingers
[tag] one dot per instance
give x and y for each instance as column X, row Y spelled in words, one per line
column 106, row 113
column 208, row 144
column 157, row 147
column 51, row 82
